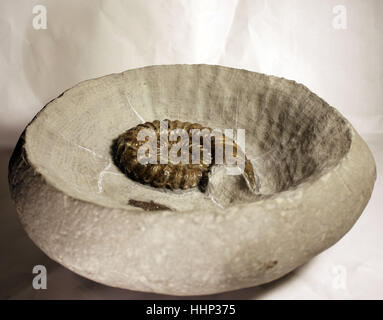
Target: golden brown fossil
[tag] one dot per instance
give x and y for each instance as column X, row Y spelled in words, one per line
column 148, row 205
column 172, row 175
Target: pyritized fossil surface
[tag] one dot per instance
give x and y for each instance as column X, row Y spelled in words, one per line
column 176, row 174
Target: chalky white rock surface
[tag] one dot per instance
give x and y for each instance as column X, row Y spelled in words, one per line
column 316, row 177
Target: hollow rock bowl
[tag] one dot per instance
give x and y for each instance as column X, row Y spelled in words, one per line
column 315, row 176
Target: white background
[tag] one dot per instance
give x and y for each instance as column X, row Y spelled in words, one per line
column 295, row 39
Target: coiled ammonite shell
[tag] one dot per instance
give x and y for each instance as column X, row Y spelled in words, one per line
column 173, row 175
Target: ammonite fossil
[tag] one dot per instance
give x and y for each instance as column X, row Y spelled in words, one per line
column 201, row 143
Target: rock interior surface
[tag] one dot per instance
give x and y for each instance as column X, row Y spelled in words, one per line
column 315, row 175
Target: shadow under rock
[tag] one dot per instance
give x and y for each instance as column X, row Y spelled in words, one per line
column 18, row 253
column 100, row 291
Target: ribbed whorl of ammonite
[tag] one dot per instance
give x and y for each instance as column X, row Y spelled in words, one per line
column 174, row 174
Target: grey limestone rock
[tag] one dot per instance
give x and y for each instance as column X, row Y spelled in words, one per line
column 315, row 174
